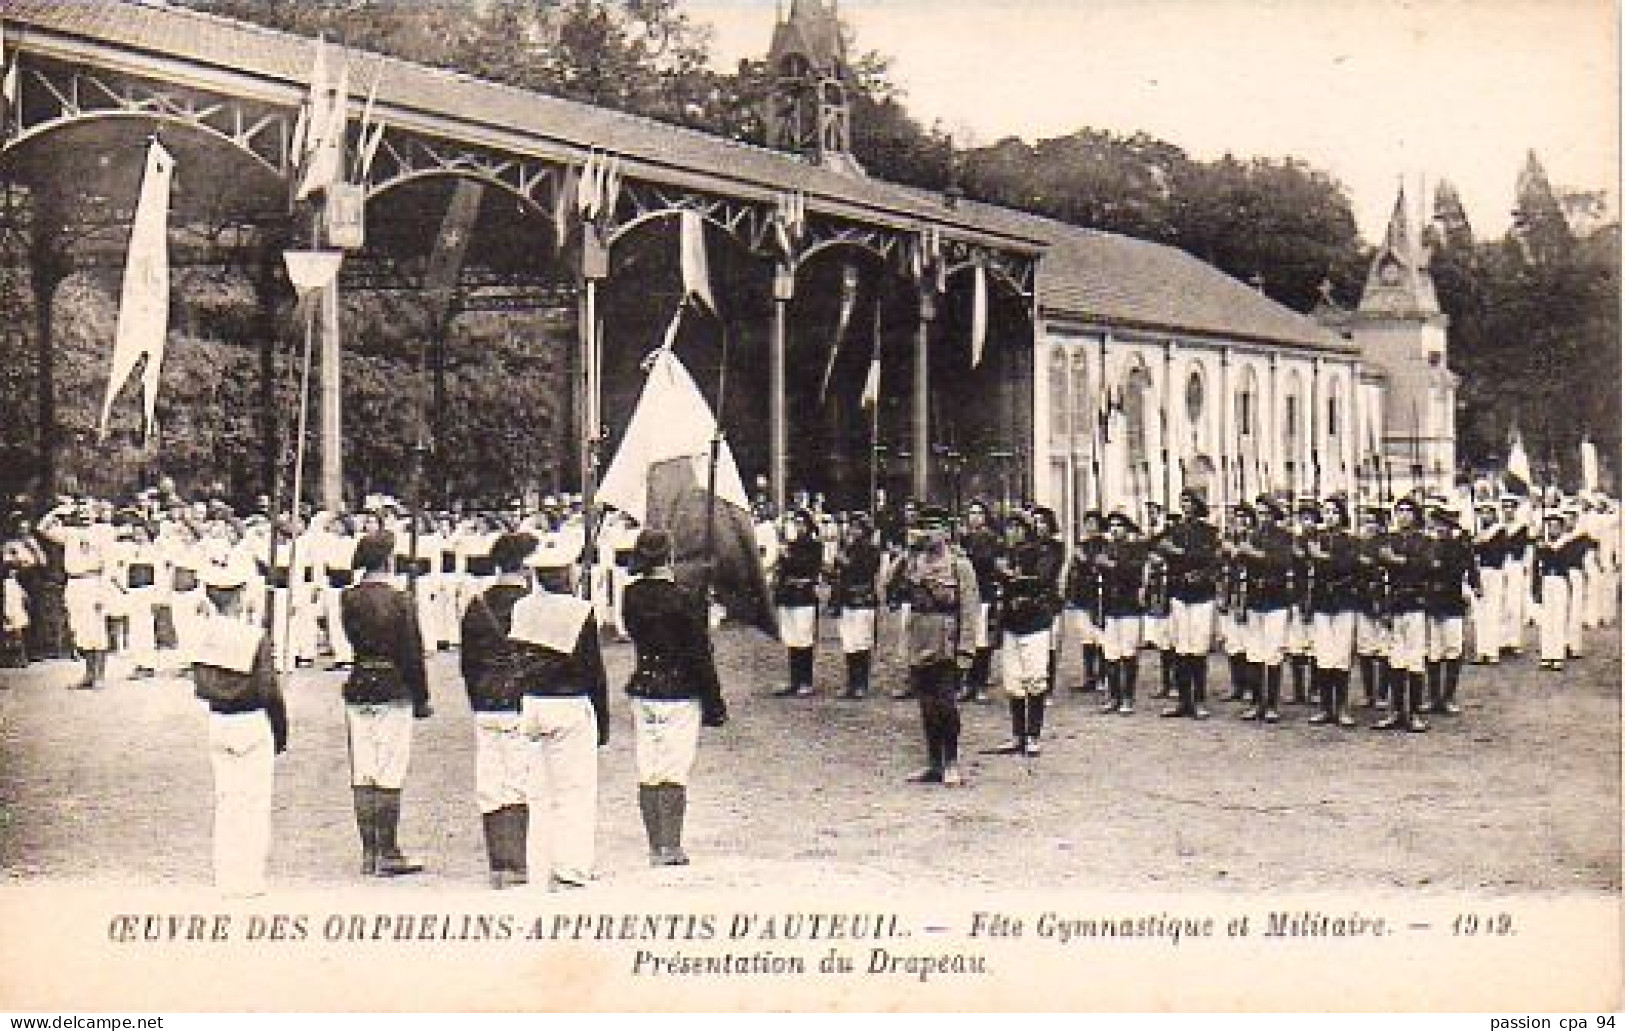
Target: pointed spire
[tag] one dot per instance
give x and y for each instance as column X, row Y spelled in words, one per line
column 1399, row 284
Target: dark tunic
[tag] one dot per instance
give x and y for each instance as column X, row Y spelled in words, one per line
column 1193, row 574
column 1029, row 598
column 1122, row 568
column 795, row 578
column 228, row 691
column 1454, row 566
column 1269, row 576
column 499, row 671
column 1410, row 577
column 1336, row 579
column 1083, row 576
column 672, row 636
column 856, row 570
column 381, row 624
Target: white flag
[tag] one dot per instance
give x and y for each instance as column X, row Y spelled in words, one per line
column 1590, row 468
column 978, row 315
column 143, row 316
column 672, row 421
column 327, row 158
column 696, row 267
column 1518, row 465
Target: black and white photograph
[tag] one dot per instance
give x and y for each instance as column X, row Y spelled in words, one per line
column 823, row 505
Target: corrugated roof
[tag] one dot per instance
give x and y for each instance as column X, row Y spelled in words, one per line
column 1085, row 274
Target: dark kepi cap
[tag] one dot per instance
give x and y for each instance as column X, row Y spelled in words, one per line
column 510, row 550
column 375, row 550
column 652, row 550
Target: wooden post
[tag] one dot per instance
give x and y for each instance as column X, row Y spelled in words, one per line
column 331, row 405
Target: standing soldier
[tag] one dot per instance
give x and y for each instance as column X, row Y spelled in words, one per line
column 1232, row 602
column 1371, row 624
column 1516, row 573
column 1580, row 548
column 1122, row 563
column 1048, row 530
column 980, row 544
column 1407, row 555
column 940, row 589
column 1454, row 580
column 85, row 594
column 1490, row 552
column 1154, row 623
column 853, row 599
column 248, row 728
column 674, row 689
column 1083, row 598
column 1267, row 563
column 1190, row 550
column 386, row 690
column 1029, row 602
column 795, row 591
column 1552, row 591
column 1300, row 636
column 1332, row 572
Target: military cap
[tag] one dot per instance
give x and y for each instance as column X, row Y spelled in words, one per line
column 651, row 551
column 1122, row 518
column 375, row 550
column 510, row 550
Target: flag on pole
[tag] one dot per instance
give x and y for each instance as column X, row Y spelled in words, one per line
column 451, row 245
column 563, row 199
column 849, row 300
column 143, row 316
column 1590, row 467
column 589, row 186
column 659, row 476
column 871, row 382
column 696, row 267
column 9, row 89
column 1518, row 477
column 325, row 140
column 978, row 314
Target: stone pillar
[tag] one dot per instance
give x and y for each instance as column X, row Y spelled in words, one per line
column 784, row 290
column 921, row 429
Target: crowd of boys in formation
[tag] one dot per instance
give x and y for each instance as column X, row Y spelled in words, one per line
column 1312, row 591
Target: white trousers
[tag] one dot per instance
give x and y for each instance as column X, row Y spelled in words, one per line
column 1190, row 626
column 501, row 760
column 333, row 613
column 1553, row 618
column 1265, row 633
column 380, row 744
column 1156, row 632
column 1514, row 603
column 449, row 608
column 1446, row 638
column 86, row 601
column 1025, row 664
column 1333, row 639
column 242, row 754
column 1408, row 642
column 428, row 605
column 666, row 737
column 857, row 630
column 1371, row 637
column 1576, row 613
column 562, row 736
column 1488, row 620
column 798, row 626
column 1120, row 638
column 142, row 647
column 293, row 628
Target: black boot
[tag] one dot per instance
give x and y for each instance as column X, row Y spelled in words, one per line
column 649, row 806
column 1417, row 684
column 792, row 661
column 1368, row 680
column 1131, row 678
column 672, row 802
column 1167, row 674
column 1114, row 687
column 1300, row 680
column 1435, row 688
column 857, row 675
column 1018, row 730
column 496, row 854
column 978, row 677
column 1238, row 679
column 1052, row 669
column 1182, row 686
column 1322, row 685
column 1094, row 668
column 517, row 837
column 1197, row 673
column 391, row 862
column 1394, row 684
column 1452, row 680
column 1385, row 683
column 366, row 822
column 1252, row 679
column 1272, row 694
column 1340, row 686
column 1035, row 723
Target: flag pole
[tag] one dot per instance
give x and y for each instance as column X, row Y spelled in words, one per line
column 715, row 458
column 874, row 420
column 298, row 475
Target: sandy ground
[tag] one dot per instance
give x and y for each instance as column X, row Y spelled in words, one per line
column 1521, row 793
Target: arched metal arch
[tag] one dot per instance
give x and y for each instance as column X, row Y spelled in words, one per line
column 816, row 249
column 237, row 143
column 375, row 191
column 995, row 272
column 623, row 229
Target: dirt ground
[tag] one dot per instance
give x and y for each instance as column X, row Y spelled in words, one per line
column 1521, row 793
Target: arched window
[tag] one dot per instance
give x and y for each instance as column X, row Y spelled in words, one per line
column 1247, row 404
column 1195, row 398
column 1060, row 396
column 1136, row 406
column 1334, row 421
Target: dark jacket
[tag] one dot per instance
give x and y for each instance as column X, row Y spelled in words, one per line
column 1410, row 576
column 228, row 691
column 1029, row 598
column 1082, row 576
column 1454, row 567
column 382, row 625
column 1335, row 581
column 1124, row 578
column 499, row 671
column 983, row 548
column 795, row 578
column 1193, row 574
column 672, row 635
column 1269, row 578
column 856, row 570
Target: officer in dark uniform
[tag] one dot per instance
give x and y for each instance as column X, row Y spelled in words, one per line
column 386, row 690
column 1190, row 551
column 795, row 592
column 1232, row 601
column 1371, row 629
column 1267, row 561
column 1047, row 530
column 853, row 599
column 982, row 544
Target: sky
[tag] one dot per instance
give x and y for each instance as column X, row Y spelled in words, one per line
column 1368, row 90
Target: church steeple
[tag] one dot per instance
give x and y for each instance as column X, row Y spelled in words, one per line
column 810, row 111
column 1399, row 284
